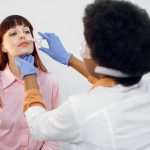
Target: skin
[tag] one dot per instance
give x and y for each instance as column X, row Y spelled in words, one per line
column 83, row 67
column 78, row 65
column 15, row 43
column 87, row 66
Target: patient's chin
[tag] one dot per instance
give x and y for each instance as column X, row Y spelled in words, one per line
column 23, row 54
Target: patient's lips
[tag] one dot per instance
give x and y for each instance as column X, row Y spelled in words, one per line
column 23, row 44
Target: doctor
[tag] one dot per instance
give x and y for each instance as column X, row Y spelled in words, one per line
column 114, row 114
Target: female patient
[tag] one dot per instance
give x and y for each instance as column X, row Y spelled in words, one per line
column 14, row 131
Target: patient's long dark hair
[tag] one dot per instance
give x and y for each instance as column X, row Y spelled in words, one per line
column 8, row 23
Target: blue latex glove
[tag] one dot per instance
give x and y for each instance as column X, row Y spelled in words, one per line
column 56, row 50
column 25, row 65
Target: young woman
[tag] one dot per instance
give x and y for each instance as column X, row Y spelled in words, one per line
column 14, row 132
column 115, row 113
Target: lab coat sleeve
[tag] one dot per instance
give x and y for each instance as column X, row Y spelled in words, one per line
column 50, row 145
column 59, row 124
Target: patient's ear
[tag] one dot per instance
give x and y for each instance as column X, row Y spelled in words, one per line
column 4, row 50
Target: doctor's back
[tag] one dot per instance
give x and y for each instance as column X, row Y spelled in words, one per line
column 114, row 118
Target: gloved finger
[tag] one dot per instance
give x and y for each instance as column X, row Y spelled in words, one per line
column 18, row 61
column 32, row 60
column 51, row 37
column 50, row 34
column 45, row 50
column 16, row 58
column 25, row 57
column 43, row 35
column 58, row 39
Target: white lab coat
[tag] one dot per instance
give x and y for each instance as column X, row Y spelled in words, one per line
column 107, row 118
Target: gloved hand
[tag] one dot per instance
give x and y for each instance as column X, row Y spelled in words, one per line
column 25, row 65
column 56, row 50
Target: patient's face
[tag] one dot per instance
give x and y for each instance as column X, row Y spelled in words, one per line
column 15, row 41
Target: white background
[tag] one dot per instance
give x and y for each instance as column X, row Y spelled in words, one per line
column 63, row 17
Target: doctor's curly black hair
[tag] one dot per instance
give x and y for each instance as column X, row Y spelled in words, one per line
column 118, row 34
